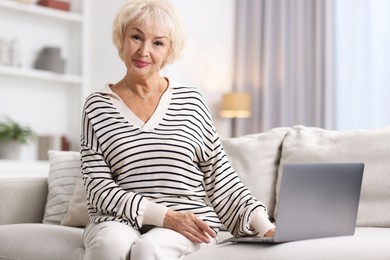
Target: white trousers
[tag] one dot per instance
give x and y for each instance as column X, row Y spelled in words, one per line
column 112, row 240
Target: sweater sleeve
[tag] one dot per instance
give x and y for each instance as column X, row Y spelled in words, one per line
column 106, row 199
column 231, row 200
column 259, row 221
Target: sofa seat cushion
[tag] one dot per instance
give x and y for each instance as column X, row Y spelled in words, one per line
column 367, row 243
column 40, row 242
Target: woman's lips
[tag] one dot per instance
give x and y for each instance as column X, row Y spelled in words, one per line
column 140, row 63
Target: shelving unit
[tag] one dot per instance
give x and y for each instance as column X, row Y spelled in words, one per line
column 39, row 10
column 50, row 103
column 41, row 75
column 26, row 169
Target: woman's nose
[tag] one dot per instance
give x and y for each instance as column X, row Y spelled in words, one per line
column 144, row 50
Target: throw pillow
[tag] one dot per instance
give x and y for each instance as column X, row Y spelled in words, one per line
column 255, row 158
column 65, row 168
column 371, row 147
column 77, row 215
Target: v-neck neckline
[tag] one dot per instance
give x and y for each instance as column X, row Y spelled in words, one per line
column 132, row 118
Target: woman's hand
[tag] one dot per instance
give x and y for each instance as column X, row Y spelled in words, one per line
column 270, row 233
column 188, row 225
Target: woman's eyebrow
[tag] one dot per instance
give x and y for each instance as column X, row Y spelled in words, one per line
column 156, row 37
column 139, row 30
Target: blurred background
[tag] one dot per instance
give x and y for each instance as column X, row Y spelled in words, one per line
column 260, row 64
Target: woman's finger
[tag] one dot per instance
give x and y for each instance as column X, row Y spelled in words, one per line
column 205, row 228
column 189, row 225
column 198, row 234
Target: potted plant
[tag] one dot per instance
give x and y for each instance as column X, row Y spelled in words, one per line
column 12, row 137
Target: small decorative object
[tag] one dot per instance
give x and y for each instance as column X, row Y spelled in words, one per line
column 51, row 142
column 50, row 59
column 5, row 47
column 10, row 52
column 15, row 53
column 57, row 4
column 12, row 137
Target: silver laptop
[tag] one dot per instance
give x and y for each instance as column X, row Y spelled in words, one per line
column 316, row 200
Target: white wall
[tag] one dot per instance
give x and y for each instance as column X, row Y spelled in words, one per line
column 207, row 62
column 102, row 62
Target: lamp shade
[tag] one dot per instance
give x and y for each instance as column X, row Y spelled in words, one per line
column 236, row 104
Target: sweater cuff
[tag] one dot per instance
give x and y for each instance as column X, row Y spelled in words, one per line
column 154, row 214
column 260, row 222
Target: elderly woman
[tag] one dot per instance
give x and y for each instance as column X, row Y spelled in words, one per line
column 158, row 182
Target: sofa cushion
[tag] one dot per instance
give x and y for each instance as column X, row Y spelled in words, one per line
column 22, row 200
column 367, row 243
column 255, row 158
column 371, row 146
column 40, row 242
column 77, row 214
column 65, row 168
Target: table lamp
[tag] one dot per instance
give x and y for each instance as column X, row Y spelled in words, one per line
column 235, row 105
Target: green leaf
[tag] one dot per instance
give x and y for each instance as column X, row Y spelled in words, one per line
column 12, row 131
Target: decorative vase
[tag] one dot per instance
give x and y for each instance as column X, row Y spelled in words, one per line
column 50, row 59
column 10, row 150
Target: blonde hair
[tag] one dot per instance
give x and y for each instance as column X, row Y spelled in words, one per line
column 150, row 13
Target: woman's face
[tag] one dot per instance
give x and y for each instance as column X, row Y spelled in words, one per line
column 144, row 50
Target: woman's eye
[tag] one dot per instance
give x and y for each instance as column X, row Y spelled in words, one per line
column 136, row 37
column 158, row 43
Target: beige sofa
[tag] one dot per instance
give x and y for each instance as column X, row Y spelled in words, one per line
column 34, row 226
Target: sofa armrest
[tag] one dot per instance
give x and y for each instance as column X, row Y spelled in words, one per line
column 22, row 200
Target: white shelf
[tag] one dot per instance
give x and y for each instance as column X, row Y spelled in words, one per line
column 41, row 75
column 36, row 27
column 40, row 10
column 23, row 169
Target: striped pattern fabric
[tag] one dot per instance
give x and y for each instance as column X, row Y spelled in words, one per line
column 62, row 179
column 178, row 163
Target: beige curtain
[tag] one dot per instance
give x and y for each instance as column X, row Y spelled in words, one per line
column 283, row 57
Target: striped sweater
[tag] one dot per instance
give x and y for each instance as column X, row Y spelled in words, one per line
column 133, row 172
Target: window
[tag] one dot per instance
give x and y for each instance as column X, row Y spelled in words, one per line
column 362, row 64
